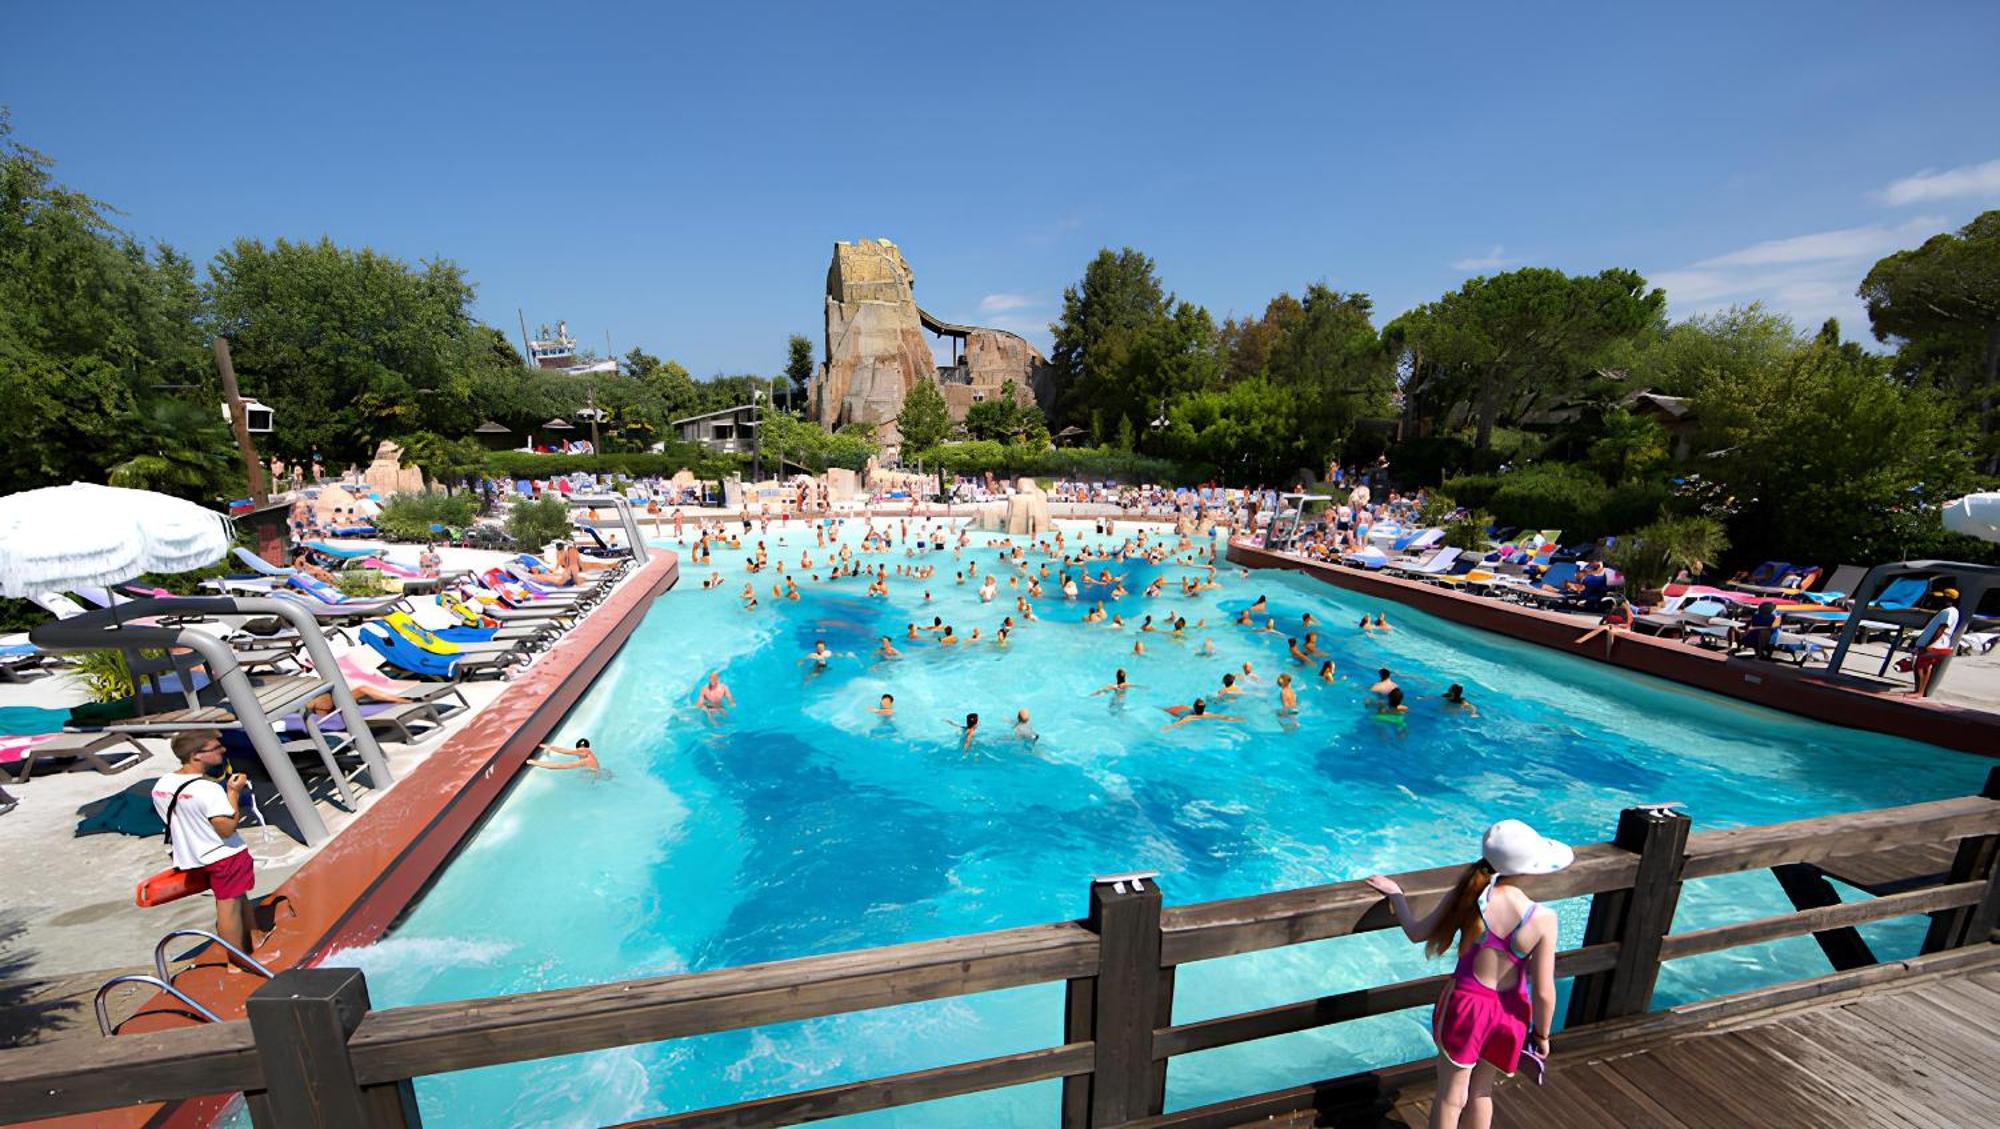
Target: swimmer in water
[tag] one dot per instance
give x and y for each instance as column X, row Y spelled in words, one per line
column 1118, row 686
column 1298, row 656
column 1138, row 646
column 714, row 697
column 1454, row 696
column 1250, row 674
column 1243, row 619
column 1311, row 646
column 971, row 727
column 1259, row 606
column 1288, row 698
column 1024, row 731
column 887, row 707
column 1326, row 672
column 584, row 758
column 1207, row 648
column 1383, row 684
column 947, row 639
column 1270, row 626
column 1196, row 712
column 819, row 655
column 1229, row 687
column 1392, row 702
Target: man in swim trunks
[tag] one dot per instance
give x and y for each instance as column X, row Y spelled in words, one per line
column 1383, row 683
column 1024, row 731
column 714, row 697
column 1196, row 712
column 584, row 758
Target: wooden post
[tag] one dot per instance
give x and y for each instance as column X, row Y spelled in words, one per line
column 1638, row 918
column 301, row 1020
column 1118, row 1008
column 1807, row 888
column 1978, row 857
column 239, row 422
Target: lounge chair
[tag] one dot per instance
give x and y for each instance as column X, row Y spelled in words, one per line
column 399, row 653
column 340, row 552
column 1437, row 564
column 473, row 611
column 1839, row 586
column 22, row 661
column 1790, row 584
column 394, row 719
column 1763, row 575
column 420, row 636
column 259, row 565
column 440, row 697
column 84, row 750
column 1684, row 613
column 601, row 547
column 1550, row 584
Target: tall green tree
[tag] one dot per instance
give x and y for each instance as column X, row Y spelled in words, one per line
column 1823, row 458
column 798, row 363
column 1118, row 300
column 348, row 347
column 1941, row 304
column 924, row 421
column 92, row 323
column 1537, row 329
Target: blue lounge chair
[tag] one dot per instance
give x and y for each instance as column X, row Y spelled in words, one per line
column 340, row 553
column 416, row 662
column 259, row 565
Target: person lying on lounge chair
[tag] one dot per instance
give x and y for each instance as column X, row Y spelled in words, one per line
column 323, row 705
column 302, row 562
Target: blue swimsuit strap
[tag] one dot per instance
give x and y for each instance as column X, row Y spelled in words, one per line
column 1517, row 955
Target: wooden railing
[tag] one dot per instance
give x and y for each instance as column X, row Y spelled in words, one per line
column 312, row 1052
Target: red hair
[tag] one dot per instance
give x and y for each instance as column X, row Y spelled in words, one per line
column 1461, row 921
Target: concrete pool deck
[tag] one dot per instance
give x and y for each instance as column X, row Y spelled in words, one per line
column 348, row 890
column 1966, row 718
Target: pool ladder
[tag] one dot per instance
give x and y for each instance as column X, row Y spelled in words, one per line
column 164, row 980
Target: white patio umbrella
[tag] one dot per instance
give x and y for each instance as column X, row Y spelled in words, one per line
column 1975, row 515
column 59, row 537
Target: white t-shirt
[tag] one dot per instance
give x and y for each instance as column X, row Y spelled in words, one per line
column 194, row 840
column 1937, row 633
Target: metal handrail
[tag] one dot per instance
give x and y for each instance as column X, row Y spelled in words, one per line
column 160, row 952
column 104, row 1013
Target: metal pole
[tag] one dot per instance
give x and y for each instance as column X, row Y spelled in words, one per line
column 239, row 422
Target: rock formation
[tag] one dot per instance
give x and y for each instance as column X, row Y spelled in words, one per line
column 876, row 350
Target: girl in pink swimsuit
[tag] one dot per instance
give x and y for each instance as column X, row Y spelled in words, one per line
column 1500, row 999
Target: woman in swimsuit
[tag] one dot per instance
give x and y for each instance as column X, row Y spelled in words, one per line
column 1500, row 1001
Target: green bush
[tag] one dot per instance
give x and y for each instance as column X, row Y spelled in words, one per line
column 1473, row 491
column 1651, row 556
column 1632, row 505
column 409, row 517
column 704, row 463
column 534, row 524
column 1011, row 460
column 1551, row 496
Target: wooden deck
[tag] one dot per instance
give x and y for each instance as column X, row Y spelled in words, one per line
column 1921, row 1054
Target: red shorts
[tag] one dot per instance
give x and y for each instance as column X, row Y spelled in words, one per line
column 1931, row 656
column 1474, row 1022
column 231, row 877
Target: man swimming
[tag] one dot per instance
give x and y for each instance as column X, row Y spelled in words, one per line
column 1024, row 731
column 887, row 707
column 1384, row 685
column 1196, row 712
column 715, row 696
column 584, row 758
column 1118, row 686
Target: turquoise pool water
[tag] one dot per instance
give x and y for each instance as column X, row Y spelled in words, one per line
column 805, row 824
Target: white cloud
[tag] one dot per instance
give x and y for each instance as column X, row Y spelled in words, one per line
column 997, row 303
column 1869, row 242
column 1949, row 184
column 1492, row 260
column 1809, row 277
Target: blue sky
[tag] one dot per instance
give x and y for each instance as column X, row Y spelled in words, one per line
column 676, row 178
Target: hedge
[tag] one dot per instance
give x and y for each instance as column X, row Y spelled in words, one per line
column 1560, row 496
column 706, row 464
column 1021, row 460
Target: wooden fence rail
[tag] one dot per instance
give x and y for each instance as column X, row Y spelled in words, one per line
column 313, row 1053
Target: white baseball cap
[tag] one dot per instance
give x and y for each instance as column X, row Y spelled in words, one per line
column 1513, row 847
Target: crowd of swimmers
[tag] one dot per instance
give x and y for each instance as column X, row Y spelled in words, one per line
column 1053, row 566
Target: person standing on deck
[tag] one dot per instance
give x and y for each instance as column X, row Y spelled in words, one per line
column 202, row 804
column 1499, row 1004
